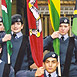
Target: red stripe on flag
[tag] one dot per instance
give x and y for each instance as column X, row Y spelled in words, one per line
column 36, row 38
column 31, row 19
column 3, row 2
column 49, row 1
column 37, row 49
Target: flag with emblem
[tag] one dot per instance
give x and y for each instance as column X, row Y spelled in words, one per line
column 6, row 14
column 35, row 32
column 54, row 10
column 74, row 25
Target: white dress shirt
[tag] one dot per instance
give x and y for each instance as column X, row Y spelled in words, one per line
column 52, row 74
column 0, row 61
column 65, row 36
column 19, row 34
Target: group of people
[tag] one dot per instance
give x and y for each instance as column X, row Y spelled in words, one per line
column 21, row 58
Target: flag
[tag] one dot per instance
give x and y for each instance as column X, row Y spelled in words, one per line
column 74, row 25
column 54, row 10
column 35, row 32
column 6, row 14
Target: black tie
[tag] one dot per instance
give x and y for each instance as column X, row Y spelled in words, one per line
column 14, row 35
column 49, row 75
column 62, row 38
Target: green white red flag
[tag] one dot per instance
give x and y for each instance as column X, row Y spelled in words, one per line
column 6, row 14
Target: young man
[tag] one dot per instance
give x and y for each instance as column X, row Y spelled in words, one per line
column 65, row 48
column 49, row 68
column 5, row 69
column 21, row 58
column 3, row 39
column 50, row 65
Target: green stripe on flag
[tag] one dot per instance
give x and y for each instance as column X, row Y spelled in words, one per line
column 8, row 30
column 55, row 16
column 6, row 14
column 74, row 26
column 54, row 10
column 56, row 45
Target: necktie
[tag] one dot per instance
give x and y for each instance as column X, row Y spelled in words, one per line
column 14, row 35
column 49, row 75
column 62, row 38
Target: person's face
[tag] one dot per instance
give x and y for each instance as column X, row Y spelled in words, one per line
column 1, row 26
column 63, row 29
column 16, row 27
column 51, row 64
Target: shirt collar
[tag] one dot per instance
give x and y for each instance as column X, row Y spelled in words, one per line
column 19, row 34
column 65, row 36
column 52, row 74
column 0, row 61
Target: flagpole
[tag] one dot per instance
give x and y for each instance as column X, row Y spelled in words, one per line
column 9, row 46
column 8, row 58
column 59, row 68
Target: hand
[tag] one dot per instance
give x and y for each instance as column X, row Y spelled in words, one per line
column 39, row 72
column 55, row 35
column 0, row 49
column 6, row 37
column 33, row 66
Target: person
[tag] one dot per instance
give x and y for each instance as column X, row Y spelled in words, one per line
column 49, row 67
column 6, row 70
column 3, row 39
column 21, row 58
column 50, row 64
column 66, row 43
